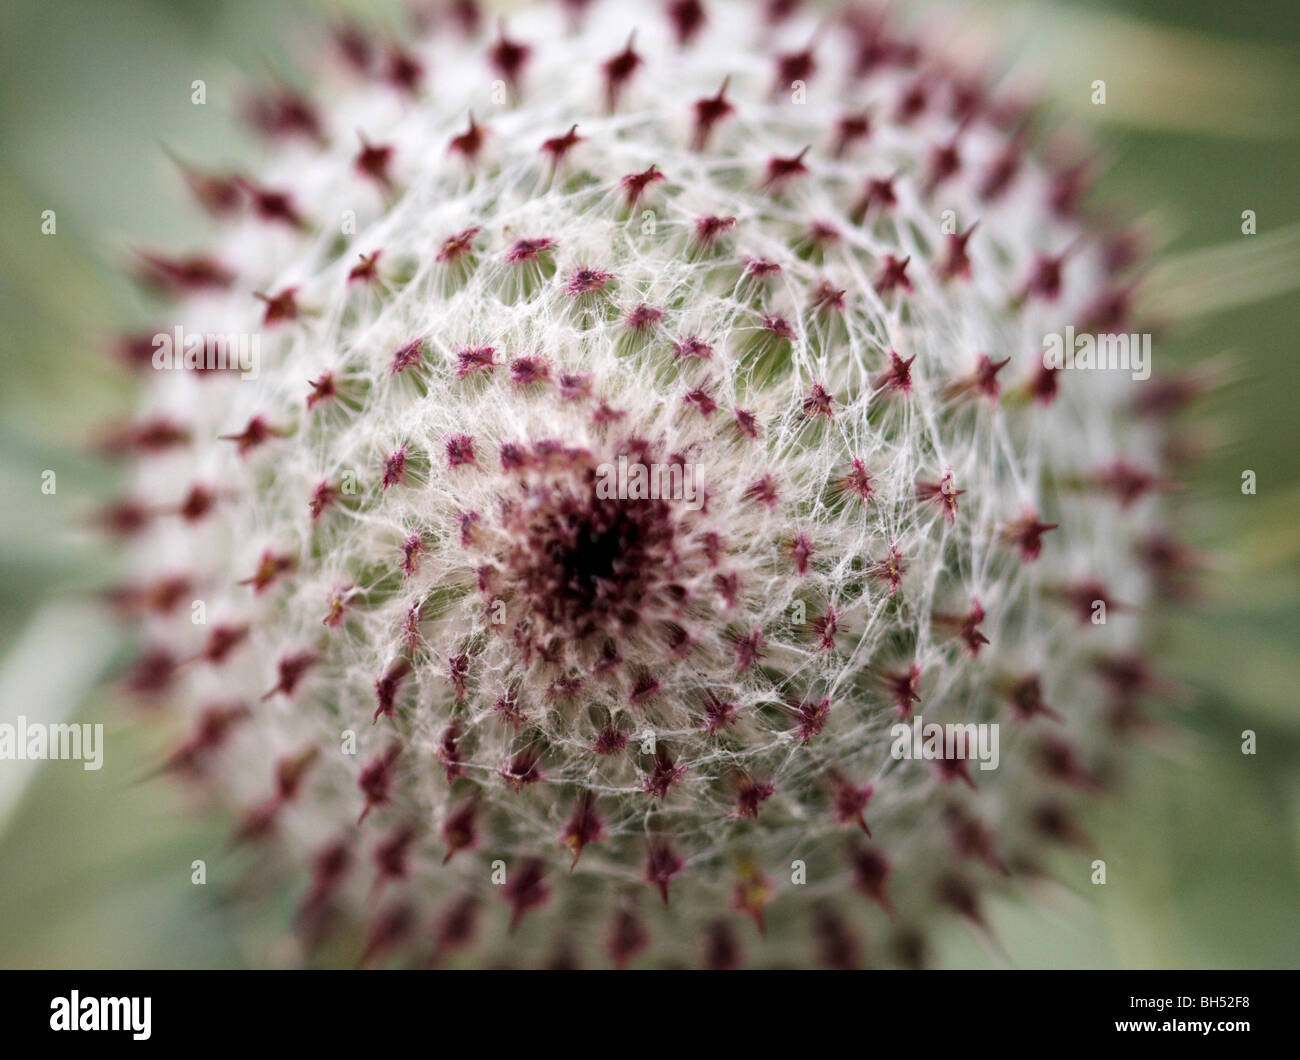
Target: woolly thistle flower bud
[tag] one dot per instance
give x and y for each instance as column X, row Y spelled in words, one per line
column 649, row 418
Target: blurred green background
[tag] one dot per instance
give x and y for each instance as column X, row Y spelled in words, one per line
column 1201, row 123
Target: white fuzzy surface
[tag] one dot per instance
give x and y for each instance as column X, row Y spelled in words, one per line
column 1007, row 457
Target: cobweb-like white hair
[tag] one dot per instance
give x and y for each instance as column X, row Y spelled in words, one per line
column 791, row 302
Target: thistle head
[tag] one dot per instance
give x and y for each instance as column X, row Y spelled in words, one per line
column 649, row 417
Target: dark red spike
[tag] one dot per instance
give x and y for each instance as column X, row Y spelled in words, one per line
column 890, row 568
column 387, row 687
column 1059, row 760
column 222, row 640
column 781, row 170
column 412, row 549
column 722, row 952
column 330, row 864
column 355, row 47
column 583, row 827
column 525, row 889
column 849, row 130
column 956, row 261
column 322, row 389
column 521, row 770
column 124, row 518
column 898, row 376
column 1127, row 482
column 403, row 70
column 961, row 896
column 750, row 795
column 893, row 275
column 1083, row 596
column 373, row 160
column 199, row 272
column 408, row 356
column 456, row 928
column 152, row 673
column 663, row 865
column 269, row 567
column 559, row 146
column 764, row 490
column 290, row 670
column 972, row 838
column 905, row 687
column 746, row 423
column 912, row 101
column 984, row 380
column 627, row 938
column 708, row 112
column 709, row 228
column 213, row 727
column 792, row 67
column 219, row 195
column 460, row 451
column 944, row 493
column 749, row 650
column 455, row 247
column 460, row 829
column 635, row 184
column 693, row 347
column 1044, row 278
column 528, row 249
column 837, row 946
column 1026, row 534
column 700, row 400
column 1026, row 698
column 585, row 281
column 281, row 306
column 819, row 402
column 619, row 70
column 752, row 895
column 609, row 741
column 508, row 58
column 826, row 626
column 870, row 871
column 376, row 779
column 1068, row 187
column 1002, row 170
column 718, row 713
column 470, row 142
column 967, row 626
column 391, row 856
column 472, row 360
column 388, row 931
column 877, row 193
column 273, row 205
column 811, row 714
column 687, row 18
column 643, row 317
column 850, row 802
column 664, row 774
column 449, row 752
column 283, row 112
column 944, row 163
column 254, row 435
column 854, row 482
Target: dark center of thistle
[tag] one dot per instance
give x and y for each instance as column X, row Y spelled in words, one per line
column 589, row 564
